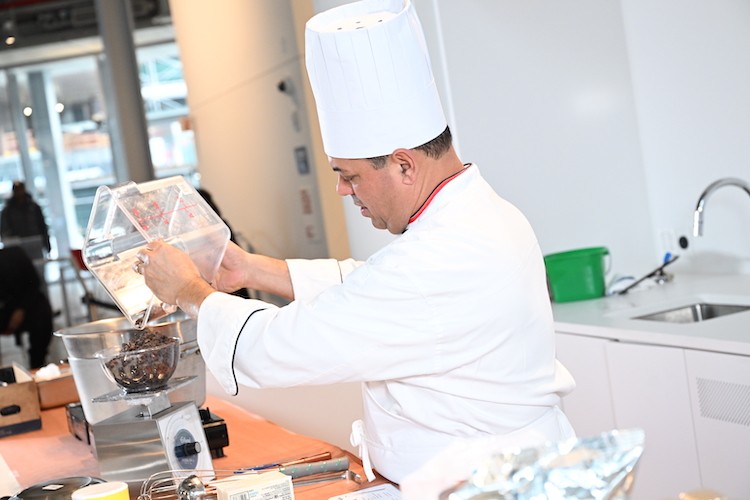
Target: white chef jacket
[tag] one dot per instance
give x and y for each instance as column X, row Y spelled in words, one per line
column 449, row 327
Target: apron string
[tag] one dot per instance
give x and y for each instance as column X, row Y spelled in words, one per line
column 357, row 438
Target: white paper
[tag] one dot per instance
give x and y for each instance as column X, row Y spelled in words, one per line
column 8, row 484
column 381, row 492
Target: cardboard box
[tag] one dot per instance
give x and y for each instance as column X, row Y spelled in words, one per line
column 19, row 401
column 57, row 391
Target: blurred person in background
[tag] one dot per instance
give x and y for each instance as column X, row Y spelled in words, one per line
column 22, row 218
column 24, row 307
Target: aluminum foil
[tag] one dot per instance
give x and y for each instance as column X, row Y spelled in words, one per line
column 599, row 467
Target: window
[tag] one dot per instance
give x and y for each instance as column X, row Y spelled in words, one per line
column 164, row 94
column 79, row 123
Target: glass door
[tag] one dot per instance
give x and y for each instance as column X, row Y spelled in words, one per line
column 55, row 136
column 67, row 154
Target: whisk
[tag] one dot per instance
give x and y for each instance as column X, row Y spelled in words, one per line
column 190, row 484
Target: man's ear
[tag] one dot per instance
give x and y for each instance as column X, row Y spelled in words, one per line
column 409, row 168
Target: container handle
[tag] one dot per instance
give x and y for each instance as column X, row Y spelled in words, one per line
column 10, row 410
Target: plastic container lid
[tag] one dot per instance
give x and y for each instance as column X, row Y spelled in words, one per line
column 56, row 489
column 125, row 218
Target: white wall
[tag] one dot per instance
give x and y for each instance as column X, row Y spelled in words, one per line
column 602, row 121
column 691, row 79
column 246, row 130
column 543, row 103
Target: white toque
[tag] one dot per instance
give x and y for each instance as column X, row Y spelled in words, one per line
column 372, row 80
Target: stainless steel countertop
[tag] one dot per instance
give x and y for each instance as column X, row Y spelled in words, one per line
column 612, row 317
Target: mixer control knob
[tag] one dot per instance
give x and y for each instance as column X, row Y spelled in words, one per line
column 188, row 449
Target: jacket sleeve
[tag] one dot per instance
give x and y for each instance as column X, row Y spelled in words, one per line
column 371, row 327
column 223, row 319
column 310, row 277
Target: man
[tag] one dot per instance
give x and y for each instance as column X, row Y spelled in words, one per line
column 449, row 327
column 22, row 217
column 23, row 305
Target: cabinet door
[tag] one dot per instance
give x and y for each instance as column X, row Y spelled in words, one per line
column 650, row 391
column 589, row 406
column 720, row 394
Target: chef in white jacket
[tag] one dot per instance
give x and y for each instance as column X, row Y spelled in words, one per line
column 448, row 327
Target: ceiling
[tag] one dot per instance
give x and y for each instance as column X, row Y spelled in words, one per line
column 30, row 23
column 71, row 64
column 56, row 35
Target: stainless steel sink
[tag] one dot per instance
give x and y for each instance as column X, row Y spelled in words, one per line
column 694, row 313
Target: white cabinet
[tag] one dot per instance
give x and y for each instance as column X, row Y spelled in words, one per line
column 589, row 406
column 693, row 405
column 650, row 391
column 720, row 395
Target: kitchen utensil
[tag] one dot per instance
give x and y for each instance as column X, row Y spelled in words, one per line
column 144, row 364
column 347, row 475
column 326, row 455
column 56, row 489
column 151, row 435
column 191, row 488
column 125, row 218
column 83, row 342
column 656, row 273
column 181, row 484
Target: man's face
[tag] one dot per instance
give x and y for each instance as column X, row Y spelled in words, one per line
column 377, row 192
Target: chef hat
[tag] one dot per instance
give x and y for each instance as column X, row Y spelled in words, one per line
column 372, row 80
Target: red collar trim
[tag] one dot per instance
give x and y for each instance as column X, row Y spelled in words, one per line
column 433, row 194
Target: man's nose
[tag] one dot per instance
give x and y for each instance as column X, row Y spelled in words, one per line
column 343, row 188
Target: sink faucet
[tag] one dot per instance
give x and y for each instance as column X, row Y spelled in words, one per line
column 698, row 214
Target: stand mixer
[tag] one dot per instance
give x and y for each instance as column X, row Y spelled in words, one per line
column 138, row 429
column 153, row 434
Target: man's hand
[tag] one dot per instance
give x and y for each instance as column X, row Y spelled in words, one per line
column 240, row 269
column 173, row 277
column 231, row 274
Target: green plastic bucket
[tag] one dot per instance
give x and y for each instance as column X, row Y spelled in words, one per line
column 576, row 274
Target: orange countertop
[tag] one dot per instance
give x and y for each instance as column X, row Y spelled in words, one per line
column 53, row 452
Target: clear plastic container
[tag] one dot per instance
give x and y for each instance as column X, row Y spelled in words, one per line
column 125, row 218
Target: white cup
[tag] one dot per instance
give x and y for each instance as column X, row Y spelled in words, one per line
column 115, row 490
